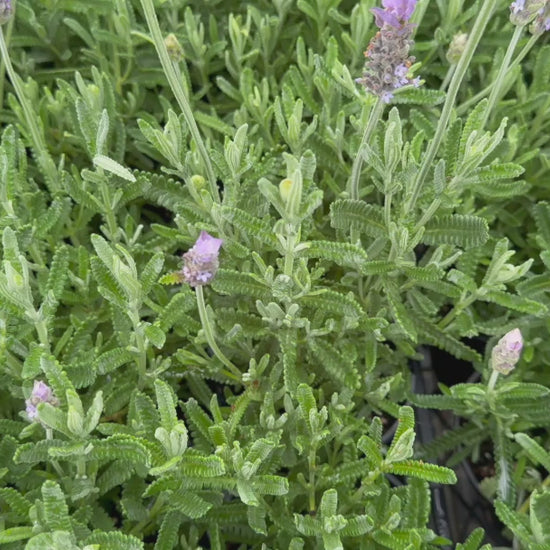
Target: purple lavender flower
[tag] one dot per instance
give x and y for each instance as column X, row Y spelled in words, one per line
column 523, row 12
column 41, row 393
column 6, row 11
column 542, row 21
column 395, row 13
column 506, row 353
column 201, row 261
column 388, row 61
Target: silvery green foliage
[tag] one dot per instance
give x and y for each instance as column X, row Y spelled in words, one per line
column 320, row 300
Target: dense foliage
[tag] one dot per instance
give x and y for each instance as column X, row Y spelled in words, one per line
column 273, row 407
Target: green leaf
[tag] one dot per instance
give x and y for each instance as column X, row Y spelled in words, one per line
column 114, row 540
column 399, row 311
column 350, row 214
column 166, row 405
column 512, row 301
column 58, row 271
column 513, row 521
column 56, row 511
column 168, row 532
column 344, row 254
column 433, row 335
column 112, row 166
column 535, row 452
column 251, row 225
column 422, row 470
column 235, row 282
column 460, row 230
column 14, row 534
column 334, row 303
column 113, row 359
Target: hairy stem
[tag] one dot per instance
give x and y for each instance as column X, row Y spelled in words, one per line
column 38, row 142
column 499, row 81
column 233, row 372
column 461, row 68
column 179, row 93
column 374, row 117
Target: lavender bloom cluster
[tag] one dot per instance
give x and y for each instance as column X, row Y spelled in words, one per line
column 201, row 261
column 506, row 353
column 6, row 11
column 388, row 60
column 523, row 12
column 41, row 393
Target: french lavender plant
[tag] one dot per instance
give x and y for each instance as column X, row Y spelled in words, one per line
column 337, row 252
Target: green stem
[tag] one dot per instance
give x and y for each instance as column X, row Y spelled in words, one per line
column 289, row 255
column 233, row 372
column 43, row 157
column 55, row 464
column 374, row 117
column 492, row 380
column 461, row 109
column 141, row 359
column 499, row 81
column 461, row 306
column 179, row 93
column 461, row 68
column 311, row 483
column 42, row 331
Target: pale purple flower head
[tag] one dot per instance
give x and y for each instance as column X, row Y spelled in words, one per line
column 395, row 13
column 506, row 353
column 201, row 261
column 41, row 393
column 388, row 60
column 523, row 12
column 6, row 11
column 542, row 21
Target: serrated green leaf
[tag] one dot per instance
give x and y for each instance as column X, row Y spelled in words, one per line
column 460, row 230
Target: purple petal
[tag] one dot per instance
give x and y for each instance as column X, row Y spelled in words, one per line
column 207, row 245
column 41, row 391
column 383, row 17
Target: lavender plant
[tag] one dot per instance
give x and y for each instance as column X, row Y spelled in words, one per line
column 228, row 236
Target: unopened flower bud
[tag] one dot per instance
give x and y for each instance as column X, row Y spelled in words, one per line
column 284, row 189
column 198, row 182
column 201, row 261
column 175, row 51
column 456, row 48
column 41, row 393
column 6, row 11
column 506, row 353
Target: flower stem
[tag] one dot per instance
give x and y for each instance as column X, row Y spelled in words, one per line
column 374, row 117
column 233, row 372
column 473, row 40
column 179, row 93
column 492, row 380
column 43, row 157
column 499, row 81
column 461, row 109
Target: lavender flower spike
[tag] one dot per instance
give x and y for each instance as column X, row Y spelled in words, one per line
column 388, row 61
column 6, row 11
column 201, row 261
column 523, row 12
column 506, row 353
column 41, row 393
